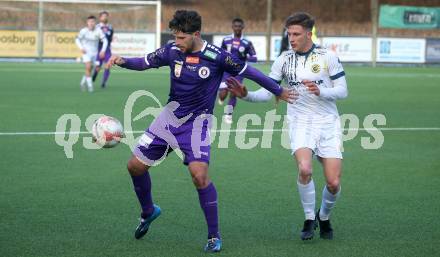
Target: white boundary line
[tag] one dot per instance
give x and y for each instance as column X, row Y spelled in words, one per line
column 36, row 133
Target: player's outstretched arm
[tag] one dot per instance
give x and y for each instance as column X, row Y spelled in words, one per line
column 284, row 94
column 261, row 95
column 137, row 63
column 155, row 59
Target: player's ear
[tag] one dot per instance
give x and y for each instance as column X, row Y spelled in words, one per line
column 197, row 34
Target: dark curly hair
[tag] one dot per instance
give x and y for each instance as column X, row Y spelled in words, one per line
column 186, row 21
column 301, row 18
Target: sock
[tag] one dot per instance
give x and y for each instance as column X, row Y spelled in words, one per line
column 233, row 102
column 142, row 187
column 89, row 83
column 328, row 202
column 83, row 80
column 95, row 74
column 106, row 75
column 208, row 202
column 307, row 195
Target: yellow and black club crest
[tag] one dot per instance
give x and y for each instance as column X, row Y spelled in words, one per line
column 316, row 68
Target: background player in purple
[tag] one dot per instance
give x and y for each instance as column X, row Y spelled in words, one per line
column 196, row 70
column 241, row 49
column 107, row 29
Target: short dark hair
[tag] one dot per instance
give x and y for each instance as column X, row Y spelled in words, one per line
column 186, row 21
column 301, row 18
column 102, row 13
column 91, row 17
column 238, row 20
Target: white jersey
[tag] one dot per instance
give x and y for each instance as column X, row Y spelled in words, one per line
column 89, row 40
column 318, row 65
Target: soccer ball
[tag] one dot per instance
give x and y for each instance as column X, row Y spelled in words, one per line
column 107, row 132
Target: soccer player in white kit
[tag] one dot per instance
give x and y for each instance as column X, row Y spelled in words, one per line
column 317, row 76
column 87, row 41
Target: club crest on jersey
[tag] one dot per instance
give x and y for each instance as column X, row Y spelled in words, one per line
column 241, row 49
column 204, row 72
column 177, row 70
column 316, row 68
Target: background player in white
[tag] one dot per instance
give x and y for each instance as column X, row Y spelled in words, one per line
column 88, row 40
column 314, row 126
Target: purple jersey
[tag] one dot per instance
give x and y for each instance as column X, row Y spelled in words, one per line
column 107, row 29
column 195, row 77
column 240, row 48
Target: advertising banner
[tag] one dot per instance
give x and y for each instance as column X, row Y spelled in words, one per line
column 409, row 17
column 133, row 44
column 349, row 49
column 433, row 50
column 15, row 43
column 60, row 45
column 404, row 50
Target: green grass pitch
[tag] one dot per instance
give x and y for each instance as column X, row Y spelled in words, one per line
column 85, row 206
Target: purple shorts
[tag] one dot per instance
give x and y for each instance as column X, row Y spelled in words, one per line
column 108, row 54
column 192, row 138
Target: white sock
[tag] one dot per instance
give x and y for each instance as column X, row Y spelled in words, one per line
column 83, row 80
column 89, row 83
column 328, row 202
column 307, row 195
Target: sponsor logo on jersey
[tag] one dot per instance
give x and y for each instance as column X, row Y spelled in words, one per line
column 210, row 54
column 177, row 70
column 316, row 68
column 192, row 59
column 191, row 67
column 204, row 72
column 229, row 61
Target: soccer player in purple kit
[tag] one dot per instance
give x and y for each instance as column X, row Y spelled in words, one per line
column 107, row 29
column 196, row 70
column 241, row 49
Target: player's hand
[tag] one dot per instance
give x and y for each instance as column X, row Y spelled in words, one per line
column 236, row 88
column 115, row 59
column 288, row 95
column 83, row 51
column 312, row 87
column 101, row 55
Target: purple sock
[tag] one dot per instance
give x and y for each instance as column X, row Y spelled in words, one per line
column 142, row 187
column 208, row 202
column 232, row 101
column 95, row 74
column 106, row 75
